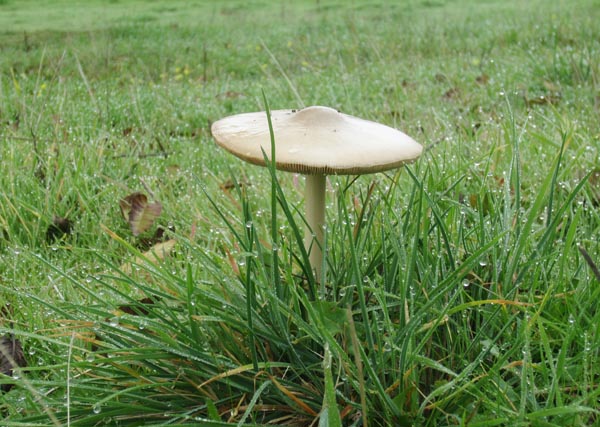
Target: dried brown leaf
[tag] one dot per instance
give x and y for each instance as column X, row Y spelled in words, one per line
column 543, row 99
column 139, row 308
column 59, row 228
column 551, row 87
column 11, row 357
column 138, row 212
column 230, row 185
column 482, row 79
column 156, row 253
column 451, row 93
column 230, row 95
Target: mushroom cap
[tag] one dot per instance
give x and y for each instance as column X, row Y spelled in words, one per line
column 316, row 140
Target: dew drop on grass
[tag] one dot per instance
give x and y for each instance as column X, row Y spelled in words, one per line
column 114, row 321
column 97, row 408
column 587, row 346
column 465, row 283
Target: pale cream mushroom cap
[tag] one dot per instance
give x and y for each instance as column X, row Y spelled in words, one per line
column 316, row 140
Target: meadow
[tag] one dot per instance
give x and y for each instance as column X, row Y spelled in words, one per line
column 459, row 290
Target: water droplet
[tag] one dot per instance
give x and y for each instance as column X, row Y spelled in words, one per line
column 97, row 408
column 587, row 346
column 466, row 283
column 114, row 321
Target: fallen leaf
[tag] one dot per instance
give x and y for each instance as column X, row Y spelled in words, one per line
column 159, row 236
column 542, row 99
column 156, row 253
column 451, row 93
column 551, row 87
column 11, row 357
column 230, row 185
column 139, row 308
column 138, row 212
column 439, row 77
column 482, row 79
column 59, row 228
column 230, row 95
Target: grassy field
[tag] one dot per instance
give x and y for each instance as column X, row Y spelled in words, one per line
column 460, row 290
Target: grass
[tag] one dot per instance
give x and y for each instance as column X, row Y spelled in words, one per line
column 460, row 290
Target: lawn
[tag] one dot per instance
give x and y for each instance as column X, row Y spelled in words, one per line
column 461, row 289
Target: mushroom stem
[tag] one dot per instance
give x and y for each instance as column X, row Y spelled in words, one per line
column 315, row 219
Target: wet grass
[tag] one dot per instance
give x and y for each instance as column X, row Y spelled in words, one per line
column 460, row 290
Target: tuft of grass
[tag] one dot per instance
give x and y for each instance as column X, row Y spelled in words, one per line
column 459, row 290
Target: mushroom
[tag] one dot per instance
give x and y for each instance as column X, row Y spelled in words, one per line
column 316, row 141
